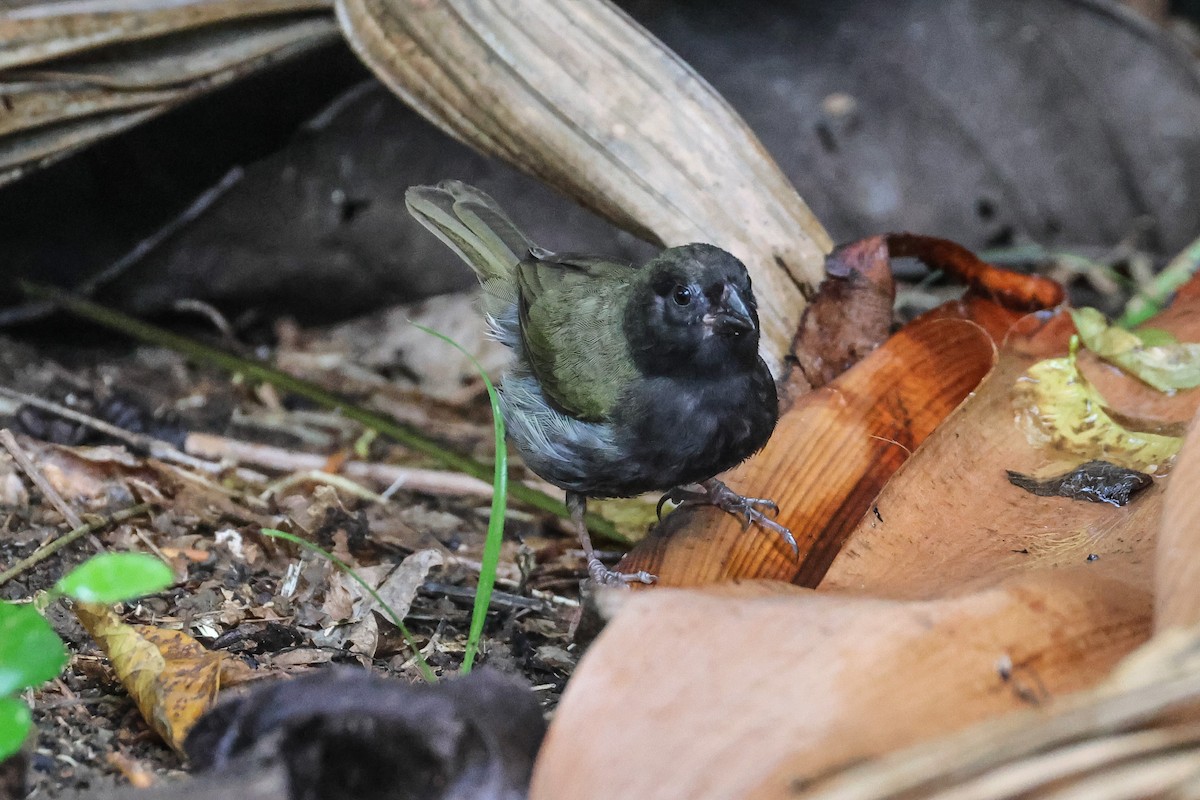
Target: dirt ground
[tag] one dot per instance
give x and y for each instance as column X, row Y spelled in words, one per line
column 276, row 609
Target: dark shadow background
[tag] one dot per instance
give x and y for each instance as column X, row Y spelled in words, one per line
column 1066, row 123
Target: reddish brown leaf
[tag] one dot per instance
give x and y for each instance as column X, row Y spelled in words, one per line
column 851, row 314
column 830, row 455
column 751, row 690
column 1177, row 574
column 1009, row 289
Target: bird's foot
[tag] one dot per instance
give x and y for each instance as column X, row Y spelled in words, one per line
column 749, row 509
column 604, row 576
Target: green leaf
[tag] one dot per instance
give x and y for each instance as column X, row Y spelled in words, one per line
column 1155, row 337
column 30, row 651
column 114, row 577
column 1166, row 367
column 15, row 722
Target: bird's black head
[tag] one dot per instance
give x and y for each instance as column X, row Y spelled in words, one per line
column 693, row 311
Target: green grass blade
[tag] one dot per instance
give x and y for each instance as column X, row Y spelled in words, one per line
column 1153, row 297
column 495, row 532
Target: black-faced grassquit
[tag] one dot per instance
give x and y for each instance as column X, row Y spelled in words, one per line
column 624, row 379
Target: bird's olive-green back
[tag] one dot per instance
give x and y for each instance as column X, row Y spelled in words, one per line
column 572, row 311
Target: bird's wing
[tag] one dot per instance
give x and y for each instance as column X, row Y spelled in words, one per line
column 572, row 311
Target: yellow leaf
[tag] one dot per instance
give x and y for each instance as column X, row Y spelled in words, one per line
column 172, row 677
column 1057, row 407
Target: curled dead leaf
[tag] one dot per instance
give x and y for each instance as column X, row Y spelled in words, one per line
column 1057, row 408
column 843, row 679
column 172, row 677
column 830, row 454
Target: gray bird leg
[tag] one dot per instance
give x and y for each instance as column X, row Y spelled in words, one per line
column 714, row 492
column 602, row 575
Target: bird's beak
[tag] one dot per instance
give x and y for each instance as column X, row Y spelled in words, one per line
column 731, row 317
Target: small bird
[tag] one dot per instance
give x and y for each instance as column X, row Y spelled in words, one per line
column 624, row 379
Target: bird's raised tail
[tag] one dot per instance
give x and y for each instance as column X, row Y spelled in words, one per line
column 472, row 225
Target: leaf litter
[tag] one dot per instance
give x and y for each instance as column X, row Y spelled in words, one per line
column 247, row 608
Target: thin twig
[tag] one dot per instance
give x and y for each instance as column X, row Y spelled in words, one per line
column 52, row 547
column 500, row 600
column 39, row 480
column 320, row 476
column 425, row 481
column 157, row 448
column 210, row 313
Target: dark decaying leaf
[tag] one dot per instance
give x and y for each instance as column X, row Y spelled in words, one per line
column 1095, row 481
column 851, row 313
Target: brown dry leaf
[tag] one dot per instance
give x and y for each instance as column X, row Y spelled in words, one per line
column 170, row 675
column 91, row 475
column 580, row 96
column 400, row 587
column 830, row 454
column 949, row 519
column 767, row 685
column 1177, row 569
column 348, row 605
column 851, row 314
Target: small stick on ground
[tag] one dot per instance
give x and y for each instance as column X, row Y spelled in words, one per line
column 157, row 448
column 52, row 547
column 425, row 481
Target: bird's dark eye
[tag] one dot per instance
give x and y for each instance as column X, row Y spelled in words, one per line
column 682, row 295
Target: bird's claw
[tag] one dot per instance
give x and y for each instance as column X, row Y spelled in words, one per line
column 749, row 509
column 604, row 576
column 750, row 514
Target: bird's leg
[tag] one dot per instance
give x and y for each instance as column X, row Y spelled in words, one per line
column 714, row 492
column 577, row 505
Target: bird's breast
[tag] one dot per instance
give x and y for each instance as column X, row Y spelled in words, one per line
column 685, row 430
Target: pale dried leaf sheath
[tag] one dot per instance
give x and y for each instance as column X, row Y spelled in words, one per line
column 53, row 109
column 582, row 97
column 32, row 34
column 149, row 74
